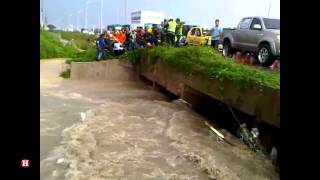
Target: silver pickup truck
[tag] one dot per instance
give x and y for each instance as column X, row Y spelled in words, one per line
column 258, row 35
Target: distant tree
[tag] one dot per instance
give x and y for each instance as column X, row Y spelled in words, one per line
column 51, row 27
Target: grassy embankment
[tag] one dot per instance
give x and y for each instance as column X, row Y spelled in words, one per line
column 77, row 46
column 209, row 63
column 192, row 59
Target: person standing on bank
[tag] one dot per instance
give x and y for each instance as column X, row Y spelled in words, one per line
column 216, row 33
column 179, row 27
column 171, row 32
column 101, row 43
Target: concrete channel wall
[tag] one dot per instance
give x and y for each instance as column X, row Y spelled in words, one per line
column 114, row 70
column 262, row 103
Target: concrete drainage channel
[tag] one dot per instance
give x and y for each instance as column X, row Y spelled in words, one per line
column 217, row 112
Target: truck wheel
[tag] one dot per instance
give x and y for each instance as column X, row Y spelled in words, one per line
column 227, row 50
column 265, row 57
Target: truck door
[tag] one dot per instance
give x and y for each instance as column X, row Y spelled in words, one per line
column 241, row 34
column 254, row 35
column 198, row 37
column 190, row 36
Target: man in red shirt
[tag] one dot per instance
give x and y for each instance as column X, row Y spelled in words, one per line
column 139, row 36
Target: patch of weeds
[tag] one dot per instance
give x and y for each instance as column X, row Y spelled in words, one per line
column 66, row 73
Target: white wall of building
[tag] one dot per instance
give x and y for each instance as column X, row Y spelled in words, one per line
column 140, row 18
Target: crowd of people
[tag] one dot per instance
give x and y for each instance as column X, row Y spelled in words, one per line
column 117, row 42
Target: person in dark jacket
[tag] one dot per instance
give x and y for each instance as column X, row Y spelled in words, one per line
column 128, row 42
column 100, row 44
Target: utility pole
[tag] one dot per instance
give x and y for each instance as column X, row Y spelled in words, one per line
column 125, row 11
column 69, row 20
column 269, row 8
column 101, row 10
column 41, row 12
column 86, row 14
column 78, row 14
column 45, row 19
column 118, row 14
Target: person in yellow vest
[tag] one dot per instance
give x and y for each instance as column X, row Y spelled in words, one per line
column 178, row 31
column 171, row 32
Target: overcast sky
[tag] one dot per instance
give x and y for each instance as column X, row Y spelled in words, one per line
column 198, row 12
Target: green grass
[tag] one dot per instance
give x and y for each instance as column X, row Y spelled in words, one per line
column 65, row 74
column 86, row 56
column 209, row 63
column 51, row 47
column 80, row 40
column 90, row 55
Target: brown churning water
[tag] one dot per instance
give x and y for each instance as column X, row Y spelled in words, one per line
column 128, row 131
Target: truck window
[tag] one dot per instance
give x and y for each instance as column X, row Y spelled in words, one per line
column 255, row 21
column 193, row 31
column 206, row 32
column 245, row 23
column 271, row 23
column 198, row 33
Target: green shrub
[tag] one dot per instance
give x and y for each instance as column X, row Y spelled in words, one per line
column 81, row 40
column 51, row 47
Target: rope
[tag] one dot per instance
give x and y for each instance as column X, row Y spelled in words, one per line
column 234, row 116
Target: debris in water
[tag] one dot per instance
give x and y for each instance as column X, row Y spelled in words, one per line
column 218, row 133
column 83, row 116
column 214, row 130
column 249, row 139
column 75, row 95
column 185, row 102
column 273, row 155
column 255, row 132
column 55, row 173
column 60, row 160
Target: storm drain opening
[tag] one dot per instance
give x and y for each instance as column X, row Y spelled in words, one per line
column 231, row 119
column 227, row 118
column 157, row 87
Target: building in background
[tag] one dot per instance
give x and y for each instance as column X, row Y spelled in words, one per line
column 143, row 18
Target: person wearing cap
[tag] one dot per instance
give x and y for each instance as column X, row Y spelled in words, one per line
column 178, row 31
column 171, row 32
column 100, row 44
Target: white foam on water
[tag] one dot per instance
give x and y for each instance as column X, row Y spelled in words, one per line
column 149, row 140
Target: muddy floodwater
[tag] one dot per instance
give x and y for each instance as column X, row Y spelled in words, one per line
column 100, row 130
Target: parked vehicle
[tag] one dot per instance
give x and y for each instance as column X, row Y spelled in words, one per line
column 115, row 27
column 257, row 35
column 199, row 36
column 186, row 29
